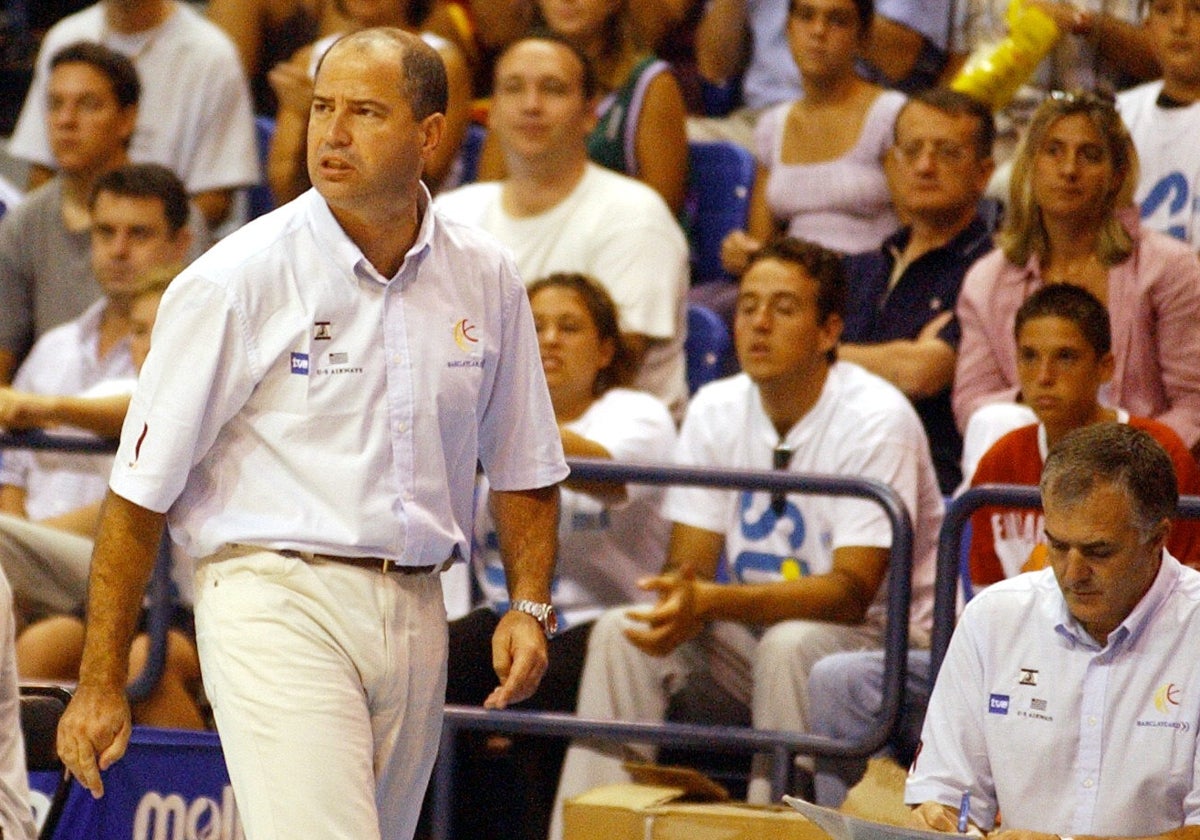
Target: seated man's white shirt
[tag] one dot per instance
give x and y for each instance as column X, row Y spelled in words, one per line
column 309, row 370
column 1112, row 730
column 618, row 231
column 860, row 426
column 194, row 116
column 64, row 362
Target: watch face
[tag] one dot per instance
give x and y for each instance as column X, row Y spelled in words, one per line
column 550, row 623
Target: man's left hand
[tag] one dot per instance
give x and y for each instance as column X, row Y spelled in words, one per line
column 520, row 657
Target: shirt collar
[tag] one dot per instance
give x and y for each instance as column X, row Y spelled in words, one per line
column 965, row 243
column 1128, row 631
column 345, row 252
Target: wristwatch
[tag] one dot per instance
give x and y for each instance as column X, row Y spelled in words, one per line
column 545, row 614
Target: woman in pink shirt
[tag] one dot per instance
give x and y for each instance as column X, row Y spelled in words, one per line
column 1071, row 219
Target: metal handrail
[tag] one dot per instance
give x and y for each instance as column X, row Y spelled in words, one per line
column 781, row 744
column 958, row 513
column 158, row 590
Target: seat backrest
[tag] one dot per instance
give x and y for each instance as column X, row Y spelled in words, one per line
column 708, row 348
column 717, row 202
column 42, row 705
column 260, row 198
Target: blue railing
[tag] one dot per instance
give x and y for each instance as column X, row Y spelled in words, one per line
column 782, row 745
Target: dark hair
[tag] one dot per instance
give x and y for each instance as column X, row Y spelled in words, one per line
column 415, row 14
column 957, row 104
column 119, row 70
column 424, row 72
column 864, row 10
column 147, row 180
column 1071, row 303
column 1113, row 453
column 821, row 264
column 587, row 79
column 603, row 311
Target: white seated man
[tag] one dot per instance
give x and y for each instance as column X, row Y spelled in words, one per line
column 808, row 571
column 1067, row 699
column 558, row 212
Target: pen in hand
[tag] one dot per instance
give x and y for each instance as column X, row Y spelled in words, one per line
column 964, row 811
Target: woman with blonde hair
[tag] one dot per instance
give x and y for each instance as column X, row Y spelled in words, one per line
column 1071, row 219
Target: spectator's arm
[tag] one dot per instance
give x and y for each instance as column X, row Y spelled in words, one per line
column 214, row 205
column 1125, row 44
column 653, row 19
column 38, row 175
column 841, row 595
column 12, row 500
column 737, row 247
column 893, row 48
column 661, row 142
column 920, row 368
column 287, row 168
column 722, row 40
column 242, row 21
column 24, row 410
column 576, row 445
column 8, row 366
column 83, row 521
column 458, row 115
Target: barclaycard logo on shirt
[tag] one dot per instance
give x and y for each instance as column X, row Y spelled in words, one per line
column 466, row 336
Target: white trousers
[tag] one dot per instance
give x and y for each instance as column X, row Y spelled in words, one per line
column 768, row 673
column 327, row 683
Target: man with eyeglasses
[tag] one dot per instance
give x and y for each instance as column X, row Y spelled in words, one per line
column 806, row 571
column 900, row 313
column 1164, row 119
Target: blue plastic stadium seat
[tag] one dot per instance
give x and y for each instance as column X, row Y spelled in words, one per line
column 708, row 348
column 717, row 202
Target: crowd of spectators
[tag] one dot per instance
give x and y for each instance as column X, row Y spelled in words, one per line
column 897, row 288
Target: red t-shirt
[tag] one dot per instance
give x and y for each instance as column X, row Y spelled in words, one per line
column 1005, row 538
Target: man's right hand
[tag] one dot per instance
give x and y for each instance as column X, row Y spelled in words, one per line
column 93, row 733
column 934, row 816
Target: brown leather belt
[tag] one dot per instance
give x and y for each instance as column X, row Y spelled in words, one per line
column 379, row 564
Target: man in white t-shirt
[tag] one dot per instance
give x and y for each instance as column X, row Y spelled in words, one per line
column 1164, row 118
column 195, row 116
column 559, row 212
column 808, row 571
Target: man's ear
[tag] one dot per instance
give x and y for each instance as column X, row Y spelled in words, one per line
column 433, row 128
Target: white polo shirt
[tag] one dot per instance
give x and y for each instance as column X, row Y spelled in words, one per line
column 296, row 399
column 860, row 426
column 1058, row 733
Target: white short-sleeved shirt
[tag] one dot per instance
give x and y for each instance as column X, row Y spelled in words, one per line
column 618, row 231
column 860, row 426
column 194, row 116
column 294, row 398
column 1168, row 191
column 1112, row 730
column 65, row 361
column 603, row 549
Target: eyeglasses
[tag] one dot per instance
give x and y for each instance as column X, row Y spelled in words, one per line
column 943, row 151
column 1084, row 98
column 781, row 458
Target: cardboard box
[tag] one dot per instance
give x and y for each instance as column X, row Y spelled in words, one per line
column 650, row 812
